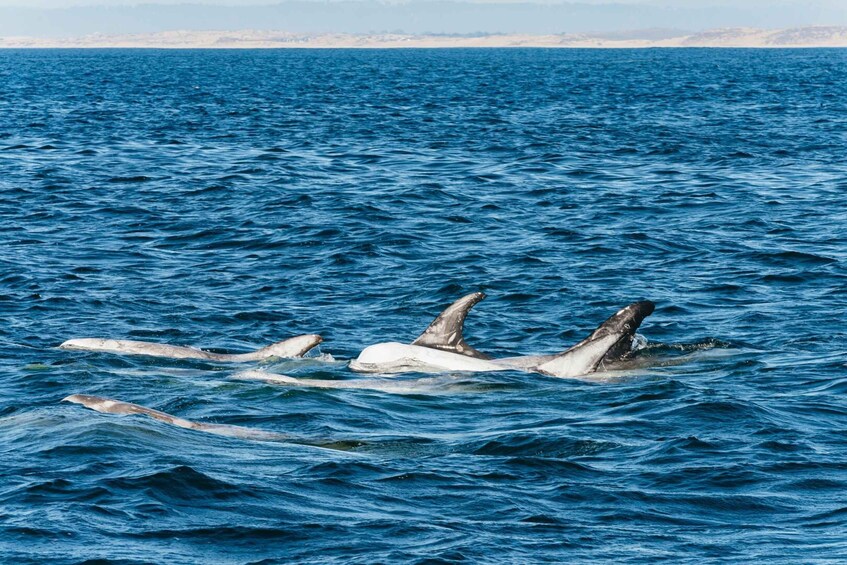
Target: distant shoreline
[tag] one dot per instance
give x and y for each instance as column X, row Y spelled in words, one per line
column 806, row 37
column 397, row 48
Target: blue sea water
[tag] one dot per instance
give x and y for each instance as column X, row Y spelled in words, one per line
column 229, row 199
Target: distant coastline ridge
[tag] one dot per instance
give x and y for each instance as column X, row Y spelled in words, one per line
column 813, row 36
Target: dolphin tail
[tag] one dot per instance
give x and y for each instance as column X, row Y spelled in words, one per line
column 611, row 341
column 293, row 347
column 445, row 332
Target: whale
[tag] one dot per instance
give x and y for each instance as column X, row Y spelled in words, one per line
column 442, row 347
column 111, row 406
column 289, row 348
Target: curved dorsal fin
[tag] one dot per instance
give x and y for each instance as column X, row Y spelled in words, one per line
column 625, row 321
column 445, row 332
column 609, row 342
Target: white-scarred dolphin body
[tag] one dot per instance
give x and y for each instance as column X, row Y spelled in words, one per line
column 110, row 406
column 442, row 347
column 439, row 384
column 293, row 347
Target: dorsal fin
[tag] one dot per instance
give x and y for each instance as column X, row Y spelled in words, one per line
column 625, row 321
column 609, row 342
column 445, row 332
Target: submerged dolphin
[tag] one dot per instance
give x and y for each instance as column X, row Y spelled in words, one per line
column 109, row 406
column 442, row 347
column 426, row 385
column 293, row 347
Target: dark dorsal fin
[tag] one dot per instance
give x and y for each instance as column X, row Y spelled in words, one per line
column 624, row 322
column 609, row 342
column 445, row 333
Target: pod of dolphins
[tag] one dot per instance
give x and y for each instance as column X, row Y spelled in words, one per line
column 440, row 348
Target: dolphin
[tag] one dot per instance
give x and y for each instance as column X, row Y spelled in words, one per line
column 442, row 347
column 110, row 406
column 292, row 347
column 426, row 385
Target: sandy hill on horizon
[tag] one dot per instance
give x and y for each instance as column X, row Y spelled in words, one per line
column 817, row 36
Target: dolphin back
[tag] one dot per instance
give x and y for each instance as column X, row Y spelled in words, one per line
column 293, row 347
column 111, row 406
column 129, row 347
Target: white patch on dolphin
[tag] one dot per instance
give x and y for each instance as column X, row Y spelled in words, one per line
column 442, row 347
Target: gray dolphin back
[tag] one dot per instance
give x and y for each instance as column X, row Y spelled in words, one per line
column 293, row 347
column 289, row 348
column 110, row 406
column 445, row 332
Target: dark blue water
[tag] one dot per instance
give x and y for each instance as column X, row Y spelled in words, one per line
column 229, row 199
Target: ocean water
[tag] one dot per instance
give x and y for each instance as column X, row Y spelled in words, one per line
column 229, row 199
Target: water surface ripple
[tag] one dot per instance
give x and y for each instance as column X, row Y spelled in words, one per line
column 229, row 199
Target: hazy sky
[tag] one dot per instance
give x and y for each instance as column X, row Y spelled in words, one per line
column 57, row 18
column 755, row 4
column 70, row 3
